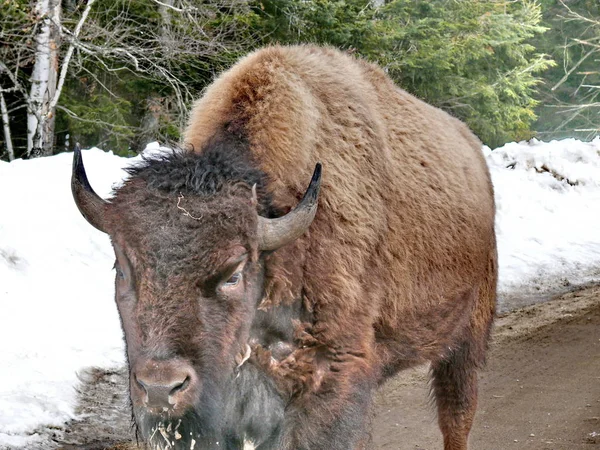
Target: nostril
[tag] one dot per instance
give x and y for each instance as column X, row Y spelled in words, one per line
column 164, row 384
column 180, row 387
column 141, row 384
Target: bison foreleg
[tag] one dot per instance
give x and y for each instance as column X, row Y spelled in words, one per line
column 334, row 417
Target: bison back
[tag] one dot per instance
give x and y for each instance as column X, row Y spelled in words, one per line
column 405, row 227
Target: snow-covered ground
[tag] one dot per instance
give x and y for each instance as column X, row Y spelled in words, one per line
column 56, row 284
column 548, row 216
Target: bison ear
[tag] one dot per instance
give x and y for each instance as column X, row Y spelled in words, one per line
column 275, row 233
column 91, row 206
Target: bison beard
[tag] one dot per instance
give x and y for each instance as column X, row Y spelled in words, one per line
column 244, row 410
column 217, row 249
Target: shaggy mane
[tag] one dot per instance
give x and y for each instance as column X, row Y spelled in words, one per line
column 224, row 161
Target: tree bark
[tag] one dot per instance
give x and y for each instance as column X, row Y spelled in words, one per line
column 40, row 114
column 165, row 12
column 6, row 124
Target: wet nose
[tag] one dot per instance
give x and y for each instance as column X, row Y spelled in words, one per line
column 165, row 384
column 162, row 395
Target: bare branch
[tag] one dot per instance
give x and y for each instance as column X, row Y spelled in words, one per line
column 12, row 89
column 578, row 16
column 95, row 121
column 572, row 69
column 67, row 59
column 179, row 10
column 587, row 43
column 13, row 78
column 103, row 42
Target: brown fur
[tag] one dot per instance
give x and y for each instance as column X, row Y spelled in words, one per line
column 399, row 266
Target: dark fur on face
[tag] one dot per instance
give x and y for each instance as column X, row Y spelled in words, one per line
column 175, row 223
column 248, row 409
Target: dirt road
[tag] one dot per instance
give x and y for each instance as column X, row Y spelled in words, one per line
column 541, row 390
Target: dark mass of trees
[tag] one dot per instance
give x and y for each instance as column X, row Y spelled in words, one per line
column 121, row 73
column 569, row 98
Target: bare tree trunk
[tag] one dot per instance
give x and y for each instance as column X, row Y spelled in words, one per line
column 165, row 11
column 49, row 108
column 6, row 124
column 40, row 116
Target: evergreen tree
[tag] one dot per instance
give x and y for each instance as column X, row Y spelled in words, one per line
column 471, row 58
column 137, row 65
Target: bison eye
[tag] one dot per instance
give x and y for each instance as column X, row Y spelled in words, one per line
column 233, row 280
column 120, row 273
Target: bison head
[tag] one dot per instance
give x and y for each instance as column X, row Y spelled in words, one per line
column 189, row 235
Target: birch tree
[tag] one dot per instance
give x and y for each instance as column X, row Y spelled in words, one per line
column 45, row 82
column 40, row 115
column 174, row 46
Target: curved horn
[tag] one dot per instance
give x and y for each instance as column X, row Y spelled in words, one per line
column 275, row 233
column 89, row 203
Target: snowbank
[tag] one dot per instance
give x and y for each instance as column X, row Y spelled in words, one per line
column 548, row 215
column 56, row 283
column 55, row 292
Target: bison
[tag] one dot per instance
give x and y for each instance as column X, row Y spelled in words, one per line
column 252, row 317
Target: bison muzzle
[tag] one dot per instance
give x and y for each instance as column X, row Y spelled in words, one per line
column 256, row 312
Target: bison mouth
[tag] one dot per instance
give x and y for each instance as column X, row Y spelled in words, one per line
column 197, row 428
column 188, row 432
column 232, row 415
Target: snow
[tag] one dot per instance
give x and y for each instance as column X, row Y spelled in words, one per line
column 56, row 283
column 548, row 210
column 55, row 292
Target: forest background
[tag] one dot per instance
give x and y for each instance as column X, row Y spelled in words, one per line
column 118, row 74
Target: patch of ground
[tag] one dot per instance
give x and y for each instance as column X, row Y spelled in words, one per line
column 104, row 411
column 540, row 390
